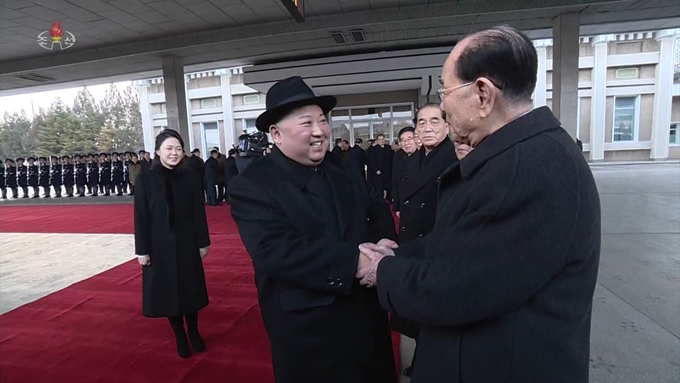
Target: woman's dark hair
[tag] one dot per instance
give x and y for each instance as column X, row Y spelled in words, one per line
column 503, row 55
column 160, row 139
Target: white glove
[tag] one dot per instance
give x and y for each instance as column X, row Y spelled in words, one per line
column 144, row 260
column 203, row 251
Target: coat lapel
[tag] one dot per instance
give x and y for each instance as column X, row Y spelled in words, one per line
column 419, row 175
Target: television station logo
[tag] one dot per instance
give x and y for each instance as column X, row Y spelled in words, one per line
column 56, row 38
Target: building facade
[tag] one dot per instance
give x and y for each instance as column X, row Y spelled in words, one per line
column 219, row 106
column 628, row 95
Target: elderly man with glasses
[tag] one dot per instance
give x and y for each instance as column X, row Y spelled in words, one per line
column 502, row 286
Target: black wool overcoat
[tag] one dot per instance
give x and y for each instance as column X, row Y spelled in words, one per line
column 502, row 286
column 302, row 229
column 171, row 227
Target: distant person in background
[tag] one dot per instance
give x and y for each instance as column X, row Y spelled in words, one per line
column 3, row 188
column 379, row 160
column 210, row 170
column 356, row 157
column 33, row 172
column 145, row 160
column 402, row 160
column 230, row 170
column 80, row 175
column 11, row 178
column 337, row 148
column 55, row 176
column 171, row 240
column 44, row 176
column 219, row 175
column 22, row 177
column 135, row 169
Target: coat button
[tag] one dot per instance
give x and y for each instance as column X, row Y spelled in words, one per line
column 439, row 179
column 406, row 202
column 331, row 281
column 420, row 235
column 402, row 229
column 338, row 282
column 422, row 205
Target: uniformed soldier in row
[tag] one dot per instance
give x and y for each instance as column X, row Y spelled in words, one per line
column 3, row 188
column 22, row 176
column 33, row 171
column 92, row 175
column 105, row 173
column 55, row 176
column 126, row 172
column 67, row 171
column 44, row 176
column 80, row 175
column 116, row 174
column 11, row 178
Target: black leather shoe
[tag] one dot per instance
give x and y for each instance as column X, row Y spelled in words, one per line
column 197, row 342
column 182, row 346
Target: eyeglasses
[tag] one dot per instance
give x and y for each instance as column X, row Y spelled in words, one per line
column 444, row 92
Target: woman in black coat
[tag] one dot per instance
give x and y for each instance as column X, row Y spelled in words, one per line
column 171, row 239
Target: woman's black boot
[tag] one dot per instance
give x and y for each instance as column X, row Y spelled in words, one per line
column 194, row 336
column 180, row 337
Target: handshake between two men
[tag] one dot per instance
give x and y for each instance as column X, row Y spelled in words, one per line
column 370, row 255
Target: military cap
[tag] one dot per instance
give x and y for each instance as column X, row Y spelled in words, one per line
column 20, row 159
column 42, row 158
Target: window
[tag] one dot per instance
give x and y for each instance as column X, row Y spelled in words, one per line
column 626, row 73
column 157, row 130
column 625, row 119
column 208, row 103
column 211, row 137
column 249, row 125
column 163, row 108
column 673, row 138
column 251, row 99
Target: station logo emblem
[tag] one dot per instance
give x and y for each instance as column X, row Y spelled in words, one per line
column 56, row 38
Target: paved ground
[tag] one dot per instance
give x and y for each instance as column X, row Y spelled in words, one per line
column 636, row 308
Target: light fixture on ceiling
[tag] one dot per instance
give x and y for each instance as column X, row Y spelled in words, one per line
column 35, row 77
column 338, row 37
column 358, row 35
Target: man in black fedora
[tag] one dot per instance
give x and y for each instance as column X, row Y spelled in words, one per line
column 301, row 215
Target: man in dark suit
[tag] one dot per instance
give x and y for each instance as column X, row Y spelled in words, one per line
column 210, row 179
column 418, row 194
column 379, row 163
column 301, row 215
column 502, row 286
column 356, row 157
column 402, row 161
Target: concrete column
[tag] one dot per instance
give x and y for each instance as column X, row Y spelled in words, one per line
column 176, row 97
column 598, row 103
column 540, row 93
column 147, row 128
column 565, row 70
column 189, row 115
column 663, row 96
column 227, row 110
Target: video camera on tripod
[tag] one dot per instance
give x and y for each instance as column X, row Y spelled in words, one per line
column 252, row 145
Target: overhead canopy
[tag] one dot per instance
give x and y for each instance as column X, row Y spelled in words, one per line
column 125, row 39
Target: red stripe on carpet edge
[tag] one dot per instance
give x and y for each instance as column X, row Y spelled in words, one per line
column 93, row 331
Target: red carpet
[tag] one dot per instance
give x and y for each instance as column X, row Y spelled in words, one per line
column 93, row 331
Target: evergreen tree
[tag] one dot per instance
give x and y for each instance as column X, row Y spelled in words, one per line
column 131, row 136
column 58, row 135
column 91, row 120
column 15, row 136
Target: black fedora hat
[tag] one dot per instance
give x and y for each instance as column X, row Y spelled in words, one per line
column 286, row 95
